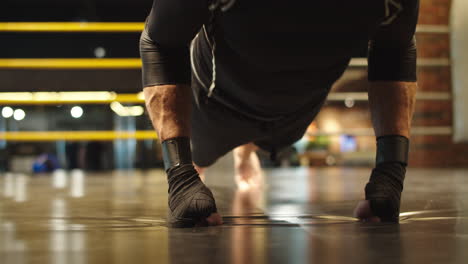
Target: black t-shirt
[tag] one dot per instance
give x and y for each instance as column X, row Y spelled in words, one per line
column 268, row 58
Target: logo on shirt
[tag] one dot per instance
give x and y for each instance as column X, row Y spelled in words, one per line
column 393, row 8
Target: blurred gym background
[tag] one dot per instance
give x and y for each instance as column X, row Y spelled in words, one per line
column 70, row 93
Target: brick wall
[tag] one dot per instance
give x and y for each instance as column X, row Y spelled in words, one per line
column 435, row 150
column 434, row 12
column 432, row 143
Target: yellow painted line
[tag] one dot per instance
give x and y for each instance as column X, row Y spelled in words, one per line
column 41, row 98
column 125, row 63
column 76, row 135
column 126, row 27
column 130, row 98
column 135, row 63
column 71, row 26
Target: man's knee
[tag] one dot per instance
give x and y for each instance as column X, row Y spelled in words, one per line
column 200, row 170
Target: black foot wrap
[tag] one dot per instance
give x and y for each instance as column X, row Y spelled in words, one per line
column 190, row 201
column 384, row 191
column 386, row 182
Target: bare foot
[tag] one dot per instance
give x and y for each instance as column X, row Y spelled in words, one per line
column 246, row 201
column 364, row 213
column 248, row 172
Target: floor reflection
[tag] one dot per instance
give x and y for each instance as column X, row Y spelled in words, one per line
column 15, row 186
column 248, row 245
column 300, row 216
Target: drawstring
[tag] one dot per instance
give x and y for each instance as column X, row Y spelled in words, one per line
column 214, row 7
column 213, row 81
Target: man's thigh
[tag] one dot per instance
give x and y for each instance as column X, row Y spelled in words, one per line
column 286, row 131
column 216, row 130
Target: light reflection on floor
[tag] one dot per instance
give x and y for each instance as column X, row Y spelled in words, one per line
column 301, row 216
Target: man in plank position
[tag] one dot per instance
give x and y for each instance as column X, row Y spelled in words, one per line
column 223, row 75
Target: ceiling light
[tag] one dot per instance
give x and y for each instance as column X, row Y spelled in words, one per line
column 19, row 114
column 76, row 112
column 7, row 112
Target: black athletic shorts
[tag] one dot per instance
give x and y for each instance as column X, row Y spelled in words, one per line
column 217, row 129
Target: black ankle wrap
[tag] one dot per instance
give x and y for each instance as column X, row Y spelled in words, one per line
column 392, row 149
column 386, row 182
column 190, row 201
column 176, row 152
